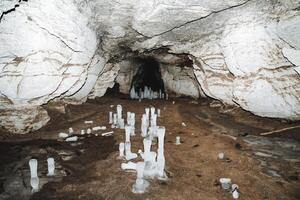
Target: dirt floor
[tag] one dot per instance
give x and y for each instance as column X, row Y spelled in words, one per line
column 263, row 167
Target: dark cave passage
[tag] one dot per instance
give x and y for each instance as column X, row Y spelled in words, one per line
column 148, row 75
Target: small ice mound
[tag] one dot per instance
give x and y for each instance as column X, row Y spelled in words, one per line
column 72, row 139
column 221, row 156
column 121, row 150
column 235, row 194
column 63, row 135
column 177, row 142
column 128, row 166
column 225, row 183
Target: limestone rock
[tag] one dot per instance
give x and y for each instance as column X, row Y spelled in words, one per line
column 23, row 119
column 180, row 81
column 104, row 81
column 127, row 71
column 243, row 52
column 46, row 50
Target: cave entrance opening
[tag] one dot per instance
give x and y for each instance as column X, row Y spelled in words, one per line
column 148, row 76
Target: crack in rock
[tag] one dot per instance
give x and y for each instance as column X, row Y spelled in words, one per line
column 195, row 20
column 12, row 9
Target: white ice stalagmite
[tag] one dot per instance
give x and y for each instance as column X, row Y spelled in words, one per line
column 150, row 94
column 34, row 179
column 146, row 92
column 144, row 131
column 121, row 150
column 119, row 115
column 155, row 95
column 158, row 112
column 167, row 96
column 128, row 118
column 149, row 158
column 148, row 155
column 147, row 110
column 121, row 124
column 160, row 94
column 127, row 133
column 152, row 111
column 140, row 184
column 51, row 166
column 132, row 124
column 115, row 121
column 153, row 120
column 144, row 126
column 132, row 93
column 161, row 131
column 110, row 117
column 82, row 132
column 152, row 133
column 128, row 154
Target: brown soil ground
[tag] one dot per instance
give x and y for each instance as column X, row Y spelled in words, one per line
column 193, row 168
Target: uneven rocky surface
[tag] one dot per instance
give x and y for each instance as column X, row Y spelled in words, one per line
column 263, row 167
column 242, row 52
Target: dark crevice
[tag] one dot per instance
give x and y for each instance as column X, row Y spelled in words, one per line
column 148, row 75
column 12, row 9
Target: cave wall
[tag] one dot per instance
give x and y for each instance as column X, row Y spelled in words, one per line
column 181, row 81
column 244, row 52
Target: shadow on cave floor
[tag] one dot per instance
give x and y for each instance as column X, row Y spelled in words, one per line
column 263, row 167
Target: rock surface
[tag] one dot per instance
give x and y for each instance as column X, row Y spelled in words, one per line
column 243, row 52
